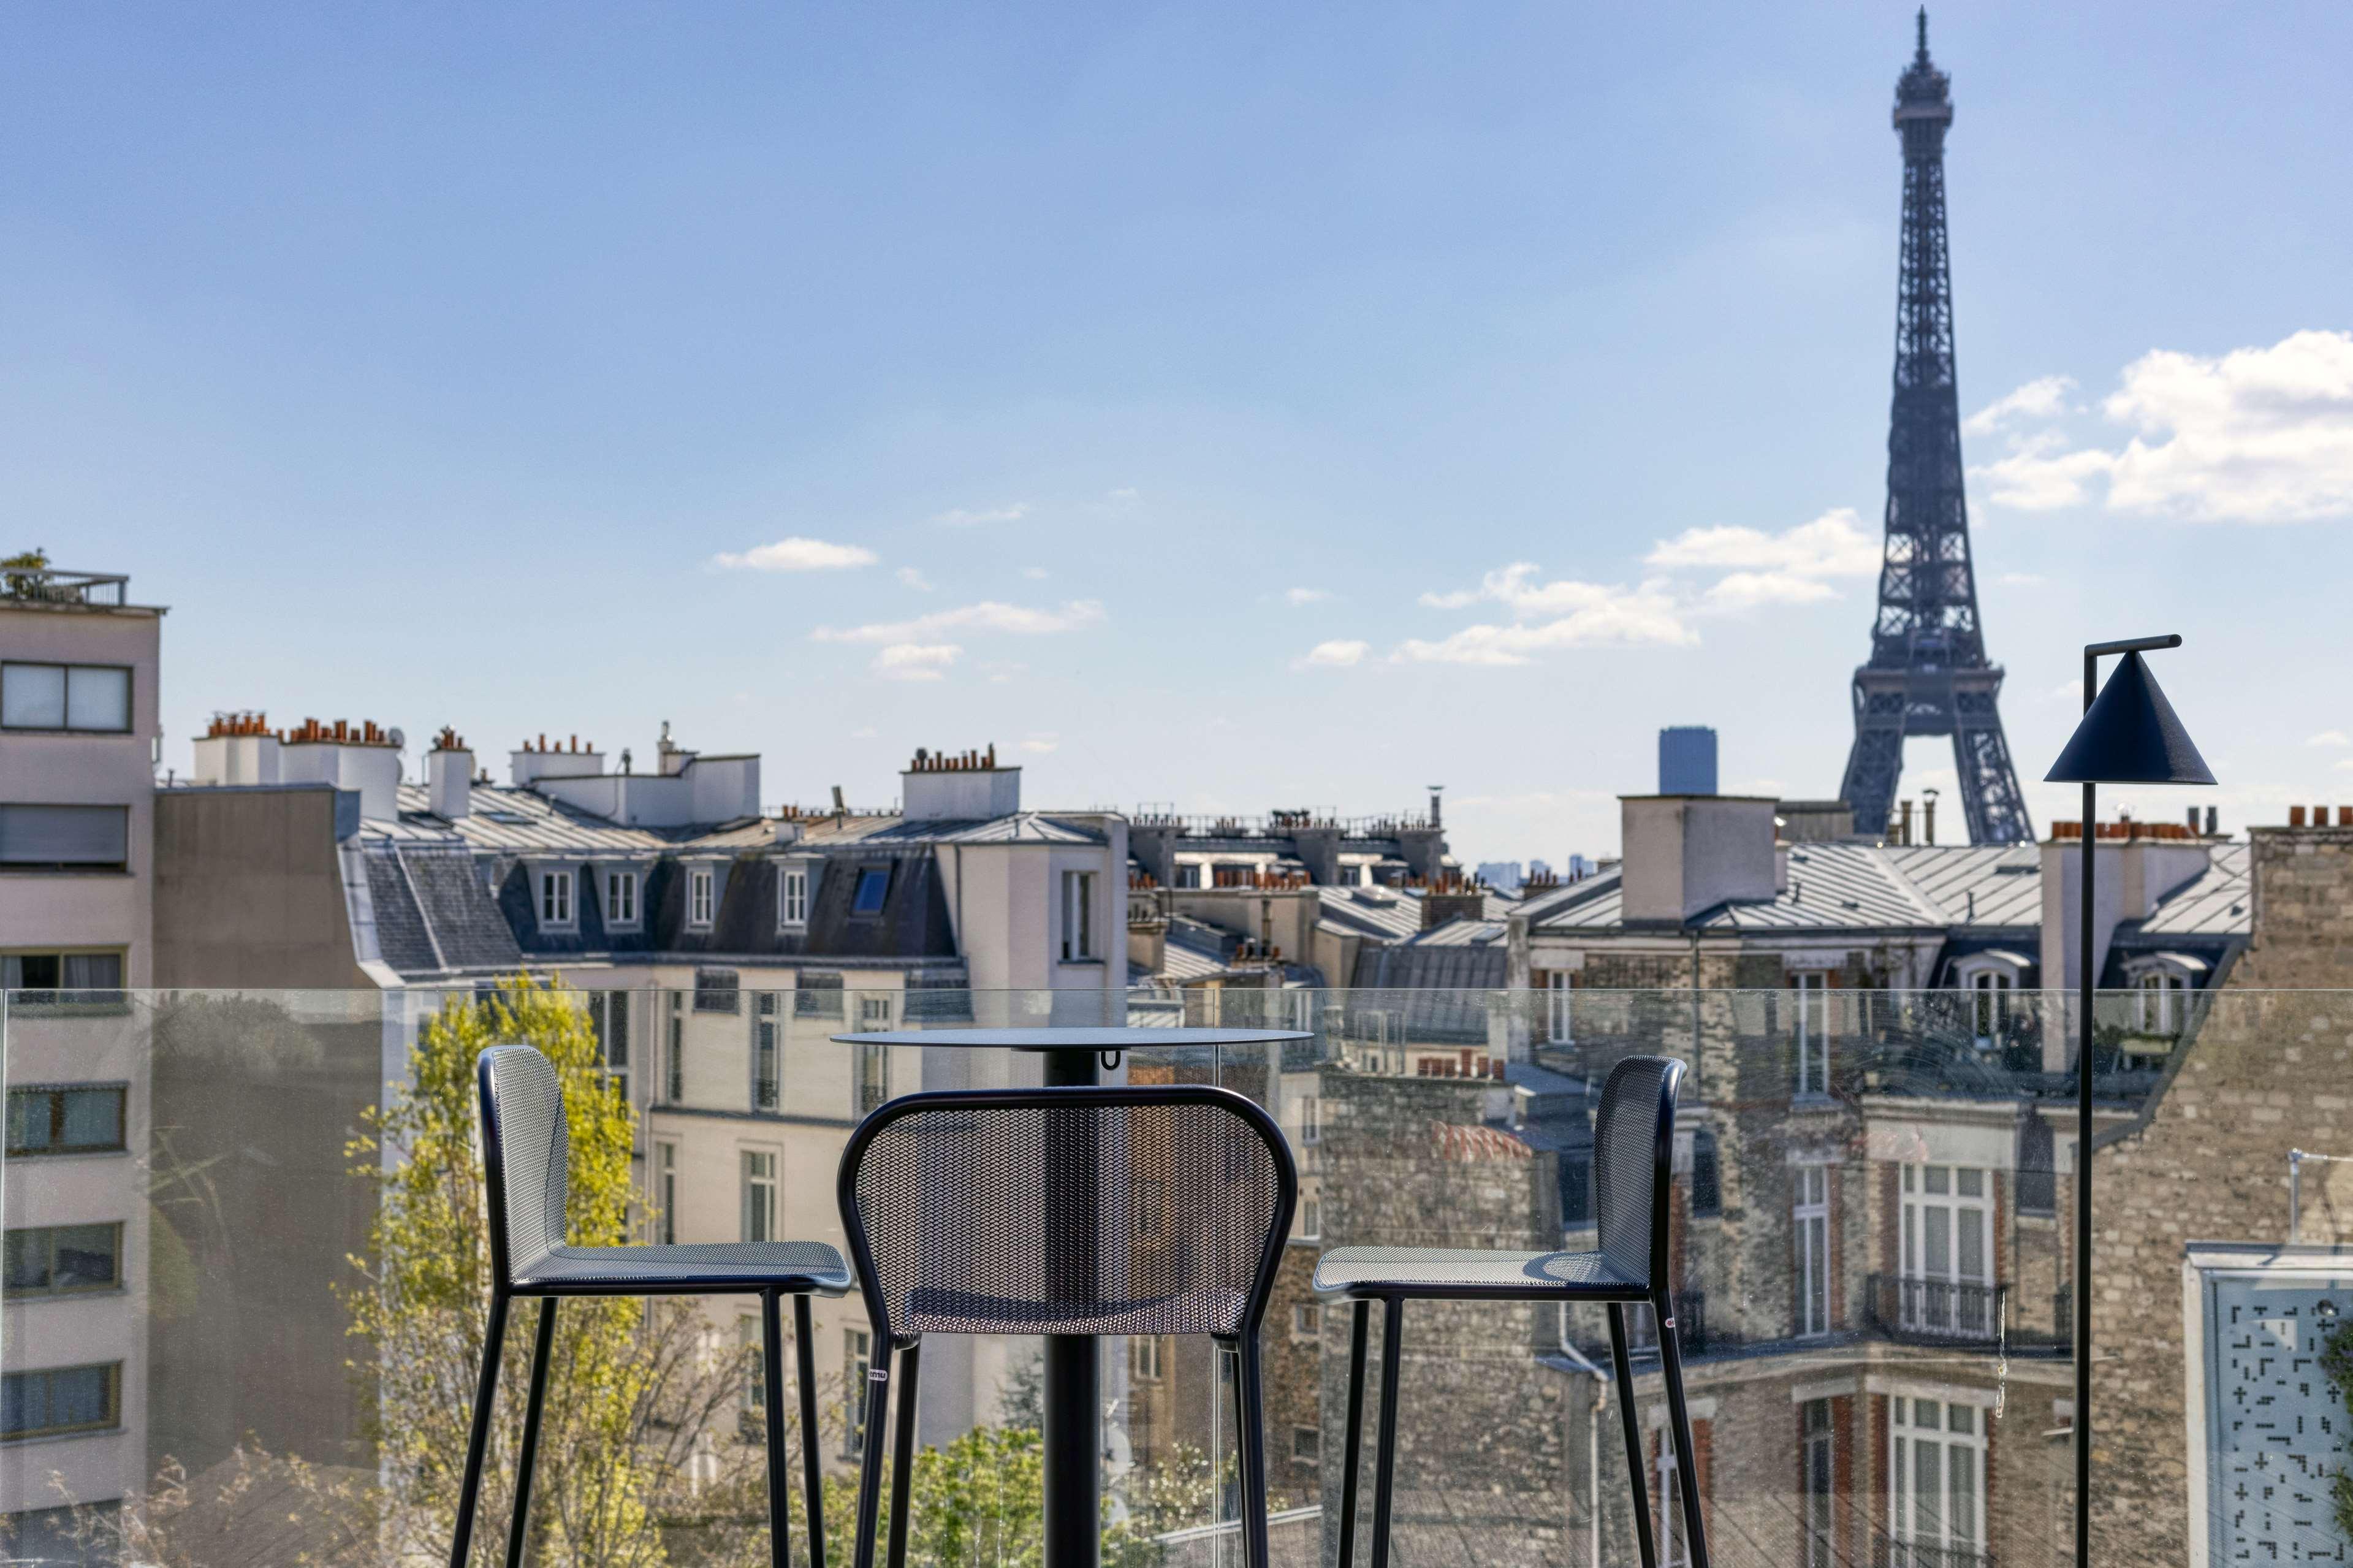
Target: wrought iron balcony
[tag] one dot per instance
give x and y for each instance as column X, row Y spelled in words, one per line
column 1911, row 1554
column 1938, row 1311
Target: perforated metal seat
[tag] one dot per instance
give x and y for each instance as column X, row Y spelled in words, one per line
column 1071, row 1211
column 1633, row 1179
column 526, row 1158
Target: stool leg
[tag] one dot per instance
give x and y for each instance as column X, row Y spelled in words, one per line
column 1384, row 1434
column 1357, row 1327
column 1634, row 1460
column 877, row 1395
column 519, row 1522
column 772, row 1391
column 902, row 1453
column 812, row 1443
column 1670, row 1362
column 486, row 1394
column 1249, row 1395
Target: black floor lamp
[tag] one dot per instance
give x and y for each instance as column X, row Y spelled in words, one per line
column 2128, row 736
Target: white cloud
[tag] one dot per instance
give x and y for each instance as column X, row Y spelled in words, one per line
column 2044, row 397
column 960, row 518
column 1600, row 615
column 916, row 660
column 2345, row 765
column 798, row 555
column 1834, row 544
column 1746, row 590
column 914, row 580
column 2256, row 435
column 1123, row 494
column 1042, row 742
column 988, row 616
column 2330, row 738
column 1335, row 655
column 1305, row 596
column 1036, row 574
column 2023, row 579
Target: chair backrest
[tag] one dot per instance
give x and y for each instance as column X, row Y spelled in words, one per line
column 526, row 1156
column 1157, row 1210
column 1633, row 1165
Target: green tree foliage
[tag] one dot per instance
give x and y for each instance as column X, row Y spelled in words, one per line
column 2336, row 1366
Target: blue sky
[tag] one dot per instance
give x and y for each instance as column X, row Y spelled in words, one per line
column 1236, row 406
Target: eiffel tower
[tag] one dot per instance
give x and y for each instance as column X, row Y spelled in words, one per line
column 1927, row 674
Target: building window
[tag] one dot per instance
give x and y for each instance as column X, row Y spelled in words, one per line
column 621, row 898
column 64, row 838
column 62, row 979
column 1311, row 1219
column 765, row 1024
column 1817, row 1486
column 666, row 1190
column 64, row 1260
column 1560, row 990
column 792, row 898
column 674, row 1069
column 608, row 1015
column 874, row 891
column 2037, row 1183
column 873, row 1068
column 717, row 991
column 1936, row 1477
column 1077, row 916
column 857, row 1372
column 1307, row 1320
column 60, row 1399
column 1311, row 1130
column 1576, row 1188
column 1707, row 1180
column 1146, row 1358
column 1947, row 1261
column 79, row 1119
column 1307, row 1444
column 874, row 1012
column 95, row 698
column 1811, row 1217
column 556, row 898
column 759, row 1196
column 2157, row 997
column 700, row 898
column 1989, row 994
column 1810, row 998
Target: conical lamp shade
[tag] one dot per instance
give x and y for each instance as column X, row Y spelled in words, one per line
column 2131, row 735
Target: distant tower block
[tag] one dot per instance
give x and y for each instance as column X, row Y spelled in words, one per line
column 1928, row 673
column 1687, row 760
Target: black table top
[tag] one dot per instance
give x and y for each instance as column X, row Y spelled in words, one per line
column 1074, row 1037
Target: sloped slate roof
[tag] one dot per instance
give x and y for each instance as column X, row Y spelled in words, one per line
column 2215, row 903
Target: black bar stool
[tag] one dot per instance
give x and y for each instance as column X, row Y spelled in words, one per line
column 1633, row 1140
column 1161, row 1210
column 526, row 1148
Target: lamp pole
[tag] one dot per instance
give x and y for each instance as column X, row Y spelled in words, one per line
column 2086, row 979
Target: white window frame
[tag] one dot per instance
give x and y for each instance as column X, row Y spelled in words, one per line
column 1077, row 917
column 1311, row 1124
column 1146, row 1358
column 1809, row 1215
column 2160, row 998
column 701, row 896
column 1926, row 1308
column 767, row 1050
column 792, row 898
column 857, row 1372
column 620, row 899
column 1911, row 1521
column 666, row 1190
column 1311, row 1219
column 869, row 1079
column 1560, row 996
column 556, row 910
column 1817, row 1486
column 1810, row 1022
column 763, row 1193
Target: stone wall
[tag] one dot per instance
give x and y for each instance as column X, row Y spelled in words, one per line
column 2271, row 1069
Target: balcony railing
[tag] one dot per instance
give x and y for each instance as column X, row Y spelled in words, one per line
column 46, row 585
column 1911, row 1554
column 1958, row 1311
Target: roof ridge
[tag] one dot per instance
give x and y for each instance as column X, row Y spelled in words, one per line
column 1885, row 859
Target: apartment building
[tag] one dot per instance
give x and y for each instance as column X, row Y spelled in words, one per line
column 78, row 666
column 719, row 945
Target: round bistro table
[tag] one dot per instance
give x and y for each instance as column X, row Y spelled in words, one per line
column 1073, row 1384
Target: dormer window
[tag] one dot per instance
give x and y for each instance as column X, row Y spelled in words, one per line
column 792, row 897
column 554, row 899
column 872, row 892
column 621, row 898
column 701, row 896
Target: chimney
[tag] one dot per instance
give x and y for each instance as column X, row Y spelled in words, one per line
column 449, row 777
column 1928, row 816
column 2295, row 816
column 1683, row 854
column 237, row 748
column 1903, row 828
column 2213, row 820
column 362, row 758
column 970, row 786
column 1437, row 817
